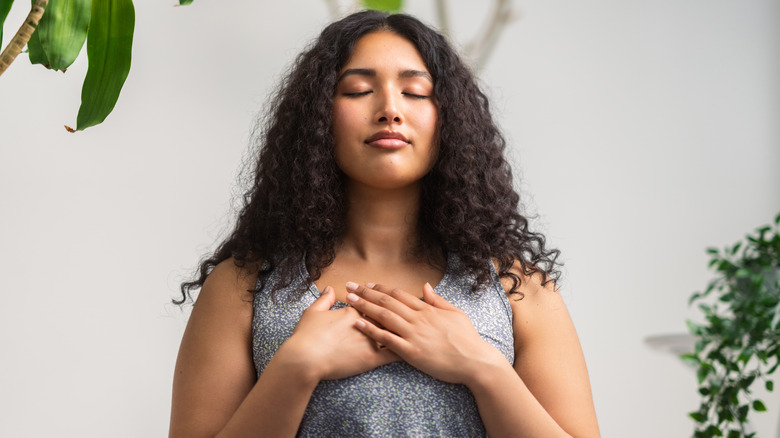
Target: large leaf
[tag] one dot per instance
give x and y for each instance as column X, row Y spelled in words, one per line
column 5, row 6
column 34, row 49
column 384, row 5
column 62, row 31
column 109, row 49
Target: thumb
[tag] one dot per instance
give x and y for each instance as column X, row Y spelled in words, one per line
column 326, row 300
column 434, row 299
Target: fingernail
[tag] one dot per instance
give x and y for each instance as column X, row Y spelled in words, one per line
column 360, row 324
column 352, row 285
column 352, row 297
column 370, row 285
column 326, row 290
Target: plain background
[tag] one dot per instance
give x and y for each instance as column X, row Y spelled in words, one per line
column 641, row 133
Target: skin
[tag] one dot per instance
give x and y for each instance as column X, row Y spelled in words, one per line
column 215, row 391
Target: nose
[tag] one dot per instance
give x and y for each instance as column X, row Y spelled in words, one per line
column 388, row 111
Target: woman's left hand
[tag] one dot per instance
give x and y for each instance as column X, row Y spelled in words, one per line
column 433, row 336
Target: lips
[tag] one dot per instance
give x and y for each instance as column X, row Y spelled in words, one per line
column 388, row 140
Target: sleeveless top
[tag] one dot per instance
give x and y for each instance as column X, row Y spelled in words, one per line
column 394, row 399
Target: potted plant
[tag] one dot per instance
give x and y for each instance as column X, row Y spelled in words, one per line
column 737, row 344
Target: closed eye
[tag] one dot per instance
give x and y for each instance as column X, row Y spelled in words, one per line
column 357, row 94
column 416, row 96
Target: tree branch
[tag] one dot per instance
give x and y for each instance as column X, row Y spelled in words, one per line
column 23, row 35
column 480, row 48
column 443, row 17
column 333, row 9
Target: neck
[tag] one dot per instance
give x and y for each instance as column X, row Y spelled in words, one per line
column 381, row 224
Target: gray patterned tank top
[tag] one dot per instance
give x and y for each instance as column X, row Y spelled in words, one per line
column 394, row 400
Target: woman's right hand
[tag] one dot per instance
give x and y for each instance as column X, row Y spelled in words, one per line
column 325, row 344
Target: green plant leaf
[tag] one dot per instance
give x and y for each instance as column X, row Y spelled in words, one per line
column 109, row 49
column 63, row 30
column 742, row 412
column 384, row 5
column 185, row 2
column 35, row 51
column 703, row 372
column 713, row 430
column 758, row 406
column 5, row 6
column 698, row 417
column 770, row 385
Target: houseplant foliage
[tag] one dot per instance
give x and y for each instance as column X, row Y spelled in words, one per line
column 55, row 32
column 738, row 341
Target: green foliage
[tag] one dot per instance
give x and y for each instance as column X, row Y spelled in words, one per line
column 35, row 50
column 109, row 49
column 738, row 342
column 5, row 6
column 62, row 31
column 384, row 5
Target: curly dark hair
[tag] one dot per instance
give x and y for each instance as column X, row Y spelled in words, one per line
column 297, row 204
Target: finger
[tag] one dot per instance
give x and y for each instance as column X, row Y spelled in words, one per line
column 435, row 299
column 325, row 301
column 387, row 356
column 400, row 295
column 393, row 342
column 380, row 313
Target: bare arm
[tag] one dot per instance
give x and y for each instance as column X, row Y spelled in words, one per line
column 215, row 392
column 549, row 382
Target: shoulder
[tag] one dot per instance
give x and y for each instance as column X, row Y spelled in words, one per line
column 228, row 284
column 533, row 288
column 538, row 310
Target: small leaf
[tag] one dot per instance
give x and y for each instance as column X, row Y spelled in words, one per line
column 758, row 406
column 770, row 385
column 703, row 372
column 384, row 5
column 185, row 2
column 742, row 412
column 734, row 434
column 698, row 417
column 5, row 6
column 690, row 359
column 713, row 430
column 109, row 49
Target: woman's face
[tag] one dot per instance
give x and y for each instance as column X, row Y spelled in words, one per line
column 384, row 114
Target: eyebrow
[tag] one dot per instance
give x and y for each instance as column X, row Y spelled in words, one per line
column 372, row 73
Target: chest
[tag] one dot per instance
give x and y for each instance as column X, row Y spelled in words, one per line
column 408, row 277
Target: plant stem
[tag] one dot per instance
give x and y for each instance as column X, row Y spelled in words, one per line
column 23, row 35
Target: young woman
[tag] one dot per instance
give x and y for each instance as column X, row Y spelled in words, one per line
column 380, row 174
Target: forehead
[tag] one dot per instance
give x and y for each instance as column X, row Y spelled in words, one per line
column 385, row 50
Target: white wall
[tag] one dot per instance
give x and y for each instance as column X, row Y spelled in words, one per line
column 643, row 131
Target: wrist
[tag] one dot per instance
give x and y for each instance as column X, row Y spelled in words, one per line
column 294, row 363
column 487, row 372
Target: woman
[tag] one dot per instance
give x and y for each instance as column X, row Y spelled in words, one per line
column 380, row 174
